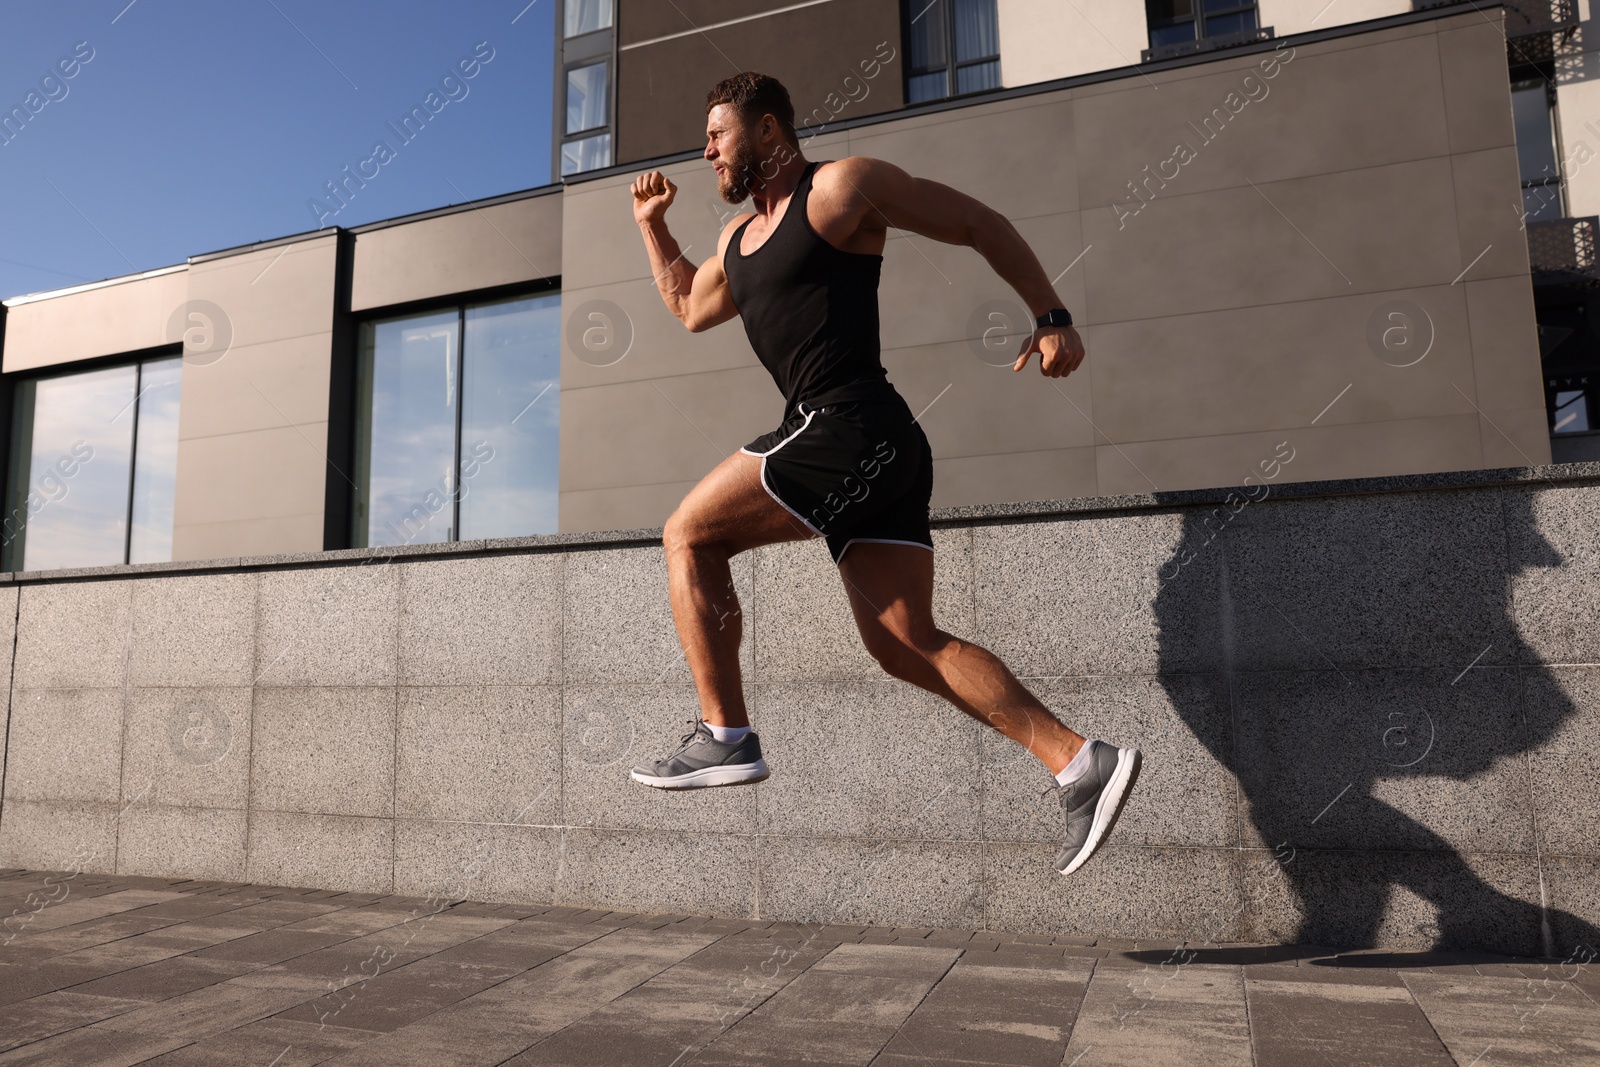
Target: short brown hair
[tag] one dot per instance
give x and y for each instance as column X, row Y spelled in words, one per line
column 753, row 95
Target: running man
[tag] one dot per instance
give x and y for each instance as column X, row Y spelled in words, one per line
column 849, row 462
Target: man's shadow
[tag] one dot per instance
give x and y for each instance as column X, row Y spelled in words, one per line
column 1314, row 618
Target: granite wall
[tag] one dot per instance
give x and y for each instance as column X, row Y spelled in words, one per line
column 1369, row 711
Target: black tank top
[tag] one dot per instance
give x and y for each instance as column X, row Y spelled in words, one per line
column 809, row 309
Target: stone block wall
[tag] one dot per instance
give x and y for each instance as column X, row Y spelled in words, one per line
column 1369, row 711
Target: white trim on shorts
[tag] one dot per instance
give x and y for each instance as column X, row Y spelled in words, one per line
column 879, row 541
column 785, row 441
column 763, row 455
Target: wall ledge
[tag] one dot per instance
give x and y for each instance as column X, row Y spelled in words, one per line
column 1547, row 476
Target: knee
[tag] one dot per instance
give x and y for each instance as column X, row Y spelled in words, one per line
column 680, row 534
column 904, row 656
column 675, row 534
column 685, row 534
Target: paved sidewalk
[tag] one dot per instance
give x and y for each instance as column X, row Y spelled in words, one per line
column 98, row 971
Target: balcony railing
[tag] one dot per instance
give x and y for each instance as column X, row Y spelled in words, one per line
column 1528, row 18
column 1563, row 250
column 1535, row 29
column 1205, row 44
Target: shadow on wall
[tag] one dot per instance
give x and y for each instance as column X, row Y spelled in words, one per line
column 1381, row 748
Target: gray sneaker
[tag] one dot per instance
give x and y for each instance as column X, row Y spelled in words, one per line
column 1093, row 802
column 703, row 760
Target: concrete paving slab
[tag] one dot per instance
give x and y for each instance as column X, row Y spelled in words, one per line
column 526, row 984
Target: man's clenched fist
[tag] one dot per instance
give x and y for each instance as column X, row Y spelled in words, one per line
column 652, row 195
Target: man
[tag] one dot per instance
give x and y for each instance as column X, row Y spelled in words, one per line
column 849, row 462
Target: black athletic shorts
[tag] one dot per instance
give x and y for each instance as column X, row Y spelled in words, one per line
column 858, row 470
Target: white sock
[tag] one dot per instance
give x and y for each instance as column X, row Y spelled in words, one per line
column 728, row 734
column 1077, row 768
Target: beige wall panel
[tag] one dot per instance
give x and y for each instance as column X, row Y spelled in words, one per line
column 474, row 249
column 1479, row 108
column 1279, row 366
column 1041, row 40
column 124, row 317
column 257, row 475
column 271, row 294
column 258, row 387
column 1302, row 16
column 271, row 391
column 1503, row 332
column 1307, row 238
column 1361, row 450
column 252, row 537
column 1242, row 125
column 1002, row 478
column 1515, row 438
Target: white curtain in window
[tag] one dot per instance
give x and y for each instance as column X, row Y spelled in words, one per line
column 586, row 16
column 586, row 97
column 977, row 27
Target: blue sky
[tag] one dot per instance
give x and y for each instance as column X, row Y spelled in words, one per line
column 203, row 124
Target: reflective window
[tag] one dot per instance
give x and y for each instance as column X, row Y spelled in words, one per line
column 509, row 423
column 1533, row 118
column 405, row 445
column 93, row 467
column 1173, row 22
column 1571, row 412
column 430, row 406
column 588, row 153
column 586, row 97
column 155, row 461
column 953, row 43
column 586, row 16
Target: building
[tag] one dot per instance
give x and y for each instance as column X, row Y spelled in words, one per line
column 1246, row 249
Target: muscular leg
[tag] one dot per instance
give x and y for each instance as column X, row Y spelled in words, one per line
column 727, row 513
column 891, row 593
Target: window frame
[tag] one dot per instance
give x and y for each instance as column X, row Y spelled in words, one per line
column 12, row 429
column 360, row 392
column 582, row 50
column 1533, row 76
column 604, row 126
column 1198, row 20
column 611, row 21
column 910, row 10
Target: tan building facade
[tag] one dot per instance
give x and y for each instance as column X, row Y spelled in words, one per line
column 1259, row 268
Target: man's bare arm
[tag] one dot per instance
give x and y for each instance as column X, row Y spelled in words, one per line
column 888, row 196
column 699, row 297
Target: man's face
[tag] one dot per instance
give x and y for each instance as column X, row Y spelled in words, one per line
column 733, row 151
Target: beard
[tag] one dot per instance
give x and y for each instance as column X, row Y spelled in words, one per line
column 733, row 184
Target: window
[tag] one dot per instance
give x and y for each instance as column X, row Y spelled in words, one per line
column 586, row 16
column 1180, row 22
column 1569, row 412
column 473, row 389
column 1533, row 115
column 581, row 134
column 94, row 457
column 953, row 46
column 586, row 153
column 586, row 97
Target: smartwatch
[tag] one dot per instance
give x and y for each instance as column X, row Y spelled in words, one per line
column 1055, row 317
